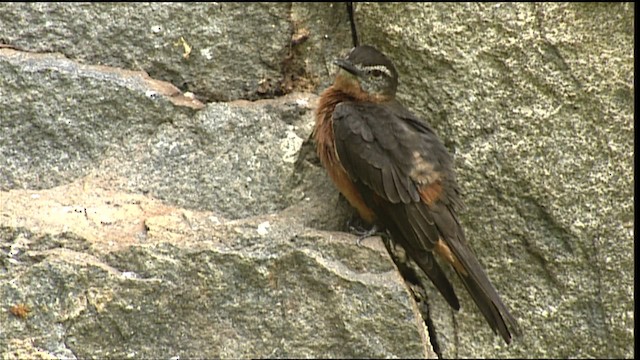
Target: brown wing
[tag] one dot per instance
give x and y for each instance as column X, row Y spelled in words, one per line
column 405, row 174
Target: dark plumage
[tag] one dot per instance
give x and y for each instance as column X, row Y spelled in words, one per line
column 393, row 168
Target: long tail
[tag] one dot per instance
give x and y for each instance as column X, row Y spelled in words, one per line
column 427, row 263
column 428, row 228
column 484, row 294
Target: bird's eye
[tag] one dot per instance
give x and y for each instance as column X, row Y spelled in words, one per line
column 376, row 72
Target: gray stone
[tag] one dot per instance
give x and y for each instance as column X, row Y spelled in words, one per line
column 138, row 222
column 536, row 103
column 108, row 272
column 58, row 120
column 233, row 46
column 238, row 293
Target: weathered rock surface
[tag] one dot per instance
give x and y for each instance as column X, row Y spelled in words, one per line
column 117, row 275
column 139, row 220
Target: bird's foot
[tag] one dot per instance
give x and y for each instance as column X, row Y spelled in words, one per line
column 357, row 227
column 367, row 233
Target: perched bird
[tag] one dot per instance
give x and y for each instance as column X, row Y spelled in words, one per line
column 396, row 172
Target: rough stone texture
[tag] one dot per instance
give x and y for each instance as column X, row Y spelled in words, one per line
column 228, row 58
column 137, row 222
column 536, row 103
column 125, row 276
column 58, row 120
column 90, row 249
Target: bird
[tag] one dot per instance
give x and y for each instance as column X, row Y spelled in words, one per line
column 392, row 167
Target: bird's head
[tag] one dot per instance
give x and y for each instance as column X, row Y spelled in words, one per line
column 367, row 74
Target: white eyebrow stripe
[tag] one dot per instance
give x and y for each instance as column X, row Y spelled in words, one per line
column 378, row 67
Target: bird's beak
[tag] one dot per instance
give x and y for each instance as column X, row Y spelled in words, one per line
column 348, row 66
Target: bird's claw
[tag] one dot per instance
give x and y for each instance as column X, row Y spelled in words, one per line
column 363, row 234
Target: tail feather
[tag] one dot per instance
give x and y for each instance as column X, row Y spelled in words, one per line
column 489, row 308
column 472, row 275
column 484, row 294
column 428, row 264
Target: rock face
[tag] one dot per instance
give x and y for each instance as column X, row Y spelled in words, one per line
column 157, row 198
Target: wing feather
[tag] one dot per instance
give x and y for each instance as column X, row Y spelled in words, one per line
column 392, row 155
